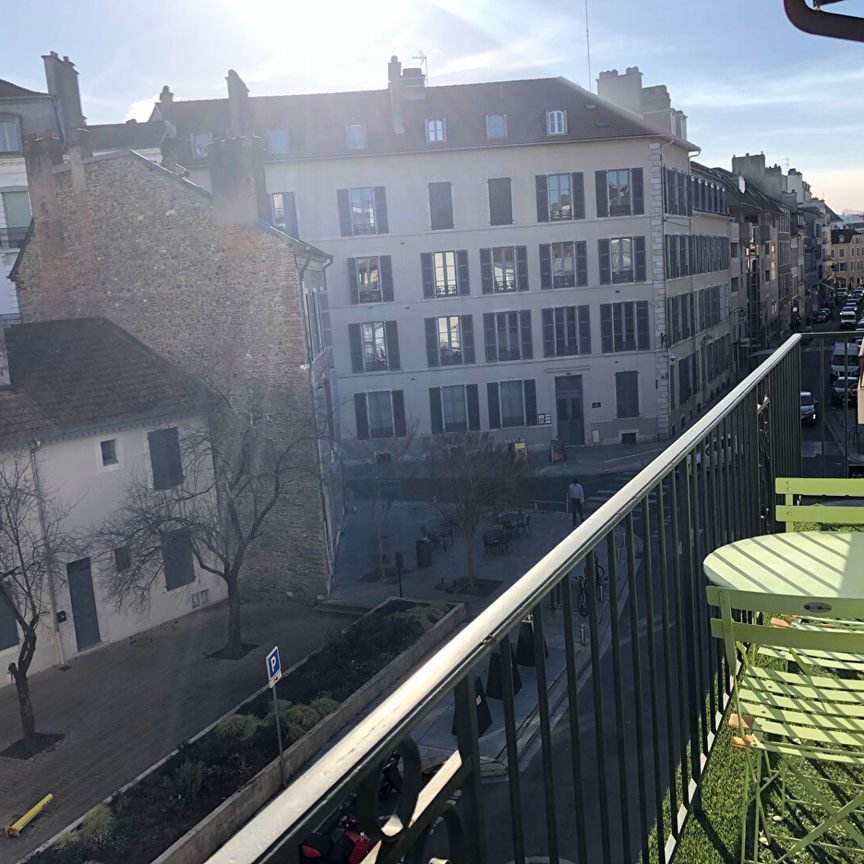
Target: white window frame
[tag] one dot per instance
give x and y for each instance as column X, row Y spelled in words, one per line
column 368, row 298
column 392, row 432
column 372, row 226
column 440, row 132
column 378, row 328
column 553, row 126
column 445, row 329
column 451, row 286
column 612, row 270
column 14, row 139
column 355, row 136
column 609, row 173
column 283, row 131
column 503, row 136
column 200, row 142
column 559, row 218
column 561, row 274
column 454, row 427
column 101, row 467
column 502, row 265
column 521, row 385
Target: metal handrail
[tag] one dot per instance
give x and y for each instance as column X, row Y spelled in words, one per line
column 376, row 736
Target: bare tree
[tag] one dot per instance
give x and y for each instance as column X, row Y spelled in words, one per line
column 32, row 536
column 477, row 477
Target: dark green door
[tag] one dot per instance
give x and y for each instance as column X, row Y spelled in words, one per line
column 571, row 417
column 83, row 603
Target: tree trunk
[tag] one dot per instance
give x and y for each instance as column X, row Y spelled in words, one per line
column 25, row 707
column 469, row 557
column 234, row 633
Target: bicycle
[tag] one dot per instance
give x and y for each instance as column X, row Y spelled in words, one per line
column 600, row 582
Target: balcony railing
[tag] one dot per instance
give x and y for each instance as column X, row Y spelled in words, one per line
column 12, row 238
column 626, row 706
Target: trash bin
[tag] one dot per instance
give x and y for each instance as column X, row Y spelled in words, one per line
column 424, row 553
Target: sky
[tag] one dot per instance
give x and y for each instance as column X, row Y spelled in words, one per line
column 746, row 78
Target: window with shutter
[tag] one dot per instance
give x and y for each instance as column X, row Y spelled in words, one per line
column 440, row 205
column 177, row 559
column 437, row 424
column 581, row 253
column 493, row 405
column 603, row 248
column 400, row 428
column 619, row 192
column 577, row 185
column 444, row 273
column 511, row 395
column 467, row 339
column 473, row 399
column 500, row 202
column 165, row 458
column 627, row 394
column 8, row 625
column 361, row 416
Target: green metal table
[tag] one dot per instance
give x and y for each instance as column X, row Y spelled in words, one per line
column 806, row 563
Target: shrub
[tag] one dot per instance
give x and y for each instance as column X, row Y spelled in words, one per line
column 98, row 826
column 183, row 786
column 242, row 726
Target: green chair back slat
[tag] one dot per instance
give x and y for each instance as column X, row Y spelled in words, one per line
column 826, row 487
column 833, row 486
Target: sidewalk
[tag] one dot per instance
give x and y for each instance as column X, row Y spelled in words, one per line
column 124, row 707
column 604, row 459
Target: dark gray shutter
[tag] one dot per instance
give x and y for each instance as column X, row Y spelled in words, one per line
column 639, row 257
column 548, row 332
column 177, row 559
column 500, row 202
column 291, row 225
column 399, row 427
column 584, row 315
column 382, row 224
column 486, row 270
column 637, row 191
column 489, row 337
column 545, row 266
column 602, row 193
column 605, row 262
column 427, row 269
column 352, row 280
column 522, row 268
column 525, row 335
column 467, row 323
column 462, row 278
column 581, row 253
column 606, row 343
column 344, row 202
column 642, row 325
column 542, row 197
column 355, row 342
column 165, row 458
column 530, row 392
column 577, row 182
column 435, row 410
column 8, row 623
column 386, row 277
column 473, row 399
column 361, row 416
column 391, row 338
column 494, row 406
column 440, row 205
column 432, row 349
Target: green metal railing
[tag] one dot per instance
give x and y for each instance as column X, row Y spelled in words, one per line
column 641, row 696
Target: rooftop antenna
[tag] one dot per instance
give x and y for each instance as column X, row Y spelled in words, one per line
column 424, row 62
column 588, row 45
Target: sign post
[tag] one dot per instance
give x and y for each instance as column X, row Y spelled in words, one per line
column 274, row 673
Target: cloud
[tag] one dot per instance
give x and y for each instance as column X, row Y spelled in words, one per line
column 141, row 109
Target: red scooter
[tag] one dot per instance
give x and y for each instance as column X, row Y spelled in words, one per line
column 346, row 845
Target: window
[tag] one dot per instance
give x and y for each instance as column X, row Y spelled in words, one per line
column 454, row 409
column 624, row 326
column 627, row 393
column 842, row 253
column 620, row 192
column 496, row 126
column 566, row 331
column 177, row 559
column 108, row 451
column 560, row 196
column 16, row 207
column 165, row 458
column 449, row 340
column 436, row 130
column 511, row 403
column 504, row 269
column 508, row 336
column 362, row 210
column 284, row 207
column 8, row 625
column 374, row 346
column 122, row 558
column 622, row 260
column 445, row 274
column 277, row 140
column 370, row 279
column 500, row 202
column 440, row 205
column 556, row 122
column 380, row 414
column 355, row 135
column 200, row 141
column 563, row 265
column 10, row 142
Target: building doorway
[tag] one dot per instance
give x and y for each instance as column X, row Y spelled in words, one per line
column 571, row 414
column 83, row 603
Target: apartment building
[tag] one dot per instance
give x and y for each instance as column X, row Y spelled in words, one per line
column 846, row 257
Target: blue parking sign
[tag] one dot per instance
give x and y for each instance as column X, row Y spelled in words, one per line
column 274, row 667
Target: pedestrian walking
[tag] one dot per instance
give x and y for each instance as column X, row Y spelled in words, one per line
column 576, row 494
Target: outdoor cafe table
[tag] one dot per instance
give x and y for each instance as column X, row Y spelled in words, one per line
column 794, row 563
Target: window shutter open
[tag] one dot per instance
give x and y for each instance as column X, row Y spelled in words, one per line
column 361, row 416
column 489, row 337
column 386, row 277
column 522, row 268
column 473, row 399
column 486, row 270
column 355, row 342
column 638, row 191
column 581, row 252
column 639, row 257
column 542, row 198
column 462, row 278
column 605, row 262
column 602, row 193
column 545, row 266
column 548, row 333
column 391, row 336
column 345, row 226
column 642, row 325
column 494, row 406
column 427, row 270
column 578, row 191
column 435, row 410
column 165, row 458
column 525, row 334
column 584, row 316
column 467, row 323
column 399, row 427
column 530, row 402
column 432, row 354
column 382, row 224
column 606, row 344
column 352, row 280
column 177, row 559
column 291, row 225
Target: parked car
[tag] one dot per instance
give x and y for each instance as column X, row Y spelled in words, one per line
column 823, row 315
column 849, row 316
column 845, row 388
column 808, row 408
column 844, row 359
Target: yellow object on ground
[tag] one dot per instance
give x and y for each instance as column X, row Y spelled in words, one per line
column 15, row 829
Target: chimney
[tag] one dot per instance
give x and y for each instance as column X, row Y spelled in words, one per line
column 624, row 90
column 5, row 380
column 237, row 181
column 394, row 84
column 79, row 149
column 238, row 106
column 62, row 80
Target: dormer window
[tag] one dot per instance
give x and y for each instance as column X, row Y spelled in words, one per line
column 436, row 130
column 277, row 140
column 10, row 134
column 496, row 126
column 200, row 140
column 356, row 136
column 556, row 122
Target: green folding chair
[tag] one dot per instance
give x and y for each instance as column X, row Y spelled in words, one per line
column 803, row 733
